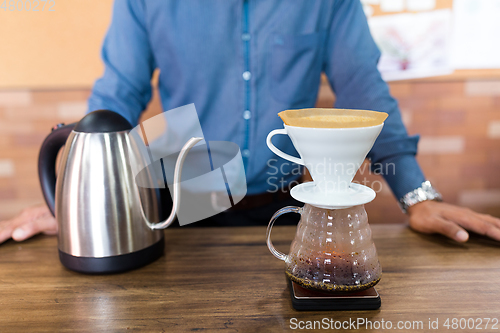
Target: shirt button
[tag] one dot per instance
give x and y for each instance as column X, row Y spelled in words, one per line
column 245, row 37
column 246, row 152
column 247, row 75
column 247, row 114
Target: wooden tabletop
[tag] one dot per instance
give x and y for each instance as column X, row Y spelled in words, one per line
column 225, row 279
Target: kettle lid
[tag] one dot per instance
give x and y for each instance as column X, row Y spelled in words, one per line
column 102, row 121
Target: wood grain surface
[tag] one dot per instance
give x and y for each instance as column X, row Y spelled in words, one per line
column 226, row 280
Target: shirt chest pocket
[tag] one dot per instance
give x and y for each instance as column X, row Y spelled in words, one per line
column 296, row 64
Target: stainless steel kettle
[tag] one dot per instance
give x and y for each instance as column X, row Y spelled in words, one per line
column 107, row 223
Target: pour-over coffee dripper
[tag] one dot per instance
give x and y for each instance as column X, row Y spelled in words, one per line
column 333, row 250
column 332, row 155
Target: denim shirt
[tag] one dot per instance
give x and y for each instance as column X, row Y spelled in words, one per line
column 243, row 61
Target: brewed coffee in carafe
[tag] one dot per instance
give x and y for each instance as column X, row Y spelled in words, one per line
column 333, row 250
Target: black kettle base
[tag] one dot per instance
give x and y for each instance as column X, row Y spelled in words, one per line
column 113, row 264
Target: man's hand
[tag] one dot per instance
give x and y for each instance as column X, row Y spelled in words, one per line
column 30, row 222
column 451, row 221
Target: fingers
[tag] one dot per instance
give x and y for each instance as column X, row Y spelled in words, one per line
column 450, row 220
column 451, row 230
column 31, row 221
column 479, row 223
column 46, row 224
column 8, row 226
column 490, row 219
column 5, row 230
column 427, row 217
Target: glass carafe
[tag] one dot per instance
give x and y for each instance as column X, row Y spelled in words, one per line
column 332, row 251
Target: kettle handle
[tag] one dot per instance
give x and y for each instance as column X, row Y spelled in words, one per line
column 177, row 186
column 47, row 162
column 284, row 210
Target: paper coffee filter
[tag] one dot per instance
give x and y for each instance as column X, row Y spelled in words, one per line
column 332, row 118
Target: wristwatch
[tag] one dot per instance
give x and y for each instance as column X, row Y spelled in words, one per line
column 423, row 193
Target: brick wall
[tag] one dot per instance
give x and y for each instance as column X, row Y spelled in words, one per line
column 459, row 124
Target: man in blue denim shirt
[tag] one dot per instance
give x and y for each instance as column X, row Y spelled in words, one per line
column 242, row 61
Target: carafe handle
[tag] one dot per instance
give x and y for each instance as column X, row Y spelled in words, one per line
column 284, row 210
column 279, row 152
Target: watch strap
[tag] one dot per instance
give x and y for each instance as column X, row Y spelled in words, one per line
column 425, row 192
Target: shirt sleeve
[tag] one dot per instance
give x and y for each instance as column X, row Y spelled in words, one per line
column 351, row 67
column 125, row 86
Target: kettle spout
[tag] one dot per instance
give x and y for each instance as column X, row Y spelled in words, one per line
column 176, row 186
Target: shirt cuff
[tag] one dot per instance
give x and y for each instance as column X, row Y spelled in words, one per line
column 402, row 173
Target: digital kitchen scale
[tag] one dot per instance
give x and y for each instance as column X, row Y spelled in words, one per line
column 310, row 300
